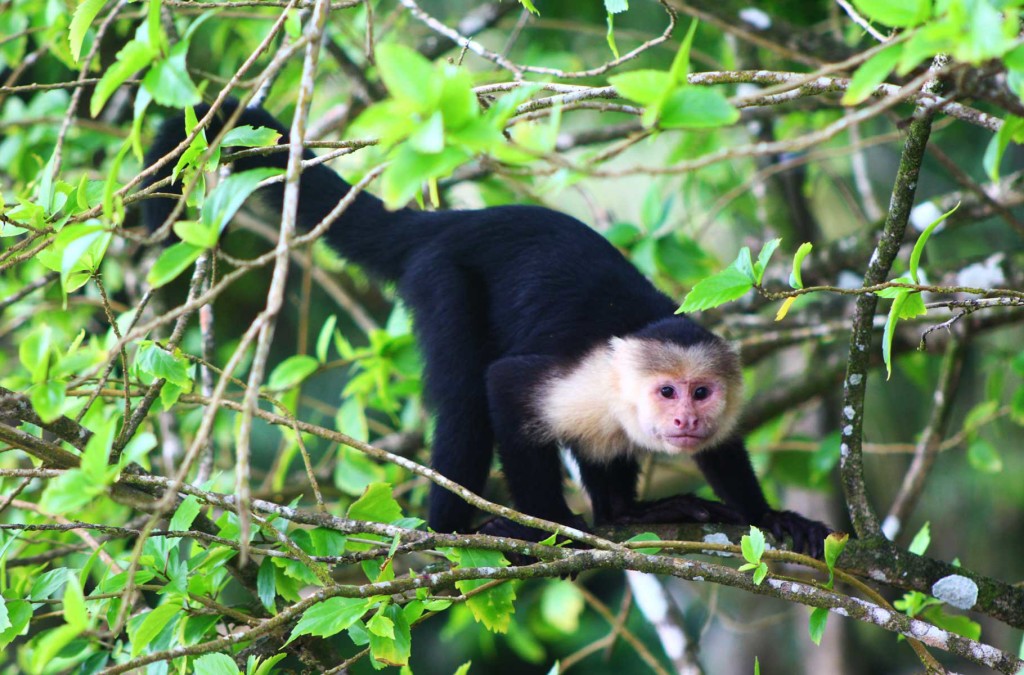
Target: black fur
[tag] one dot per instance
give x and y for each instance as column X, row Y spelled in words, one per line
column 500, row 298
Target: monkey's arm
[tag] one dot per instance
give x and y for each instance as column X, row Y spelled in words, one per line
column 729, row 473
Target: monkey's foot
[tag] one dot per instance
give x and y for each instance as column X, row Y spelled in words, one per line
column 684, row 508
column 808, row 535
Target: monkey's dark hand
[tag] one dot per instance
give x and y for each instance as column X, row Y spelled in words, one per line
column 808, row 535
column 684, row 508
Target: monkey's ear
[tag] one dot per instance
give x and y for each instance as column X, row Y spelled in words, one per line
column 617, row 344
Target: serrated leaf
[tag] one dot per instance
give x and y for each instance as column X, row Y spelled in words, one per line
column 292, row 371
column 394, row 650
column 154, row 360
column 154, row 622
column 380, row 624
column 795, row 278
column 224, row 200
column 83, row 17
column 168, row 81
column 760, row 573
column 132, row 58
column 330, row 617
column 718, row 289
column 495, row 606
column 816, row 624
column 871, row 74
column 921, row 540
column 172, row 262
column 377, row 505
column 915, row 255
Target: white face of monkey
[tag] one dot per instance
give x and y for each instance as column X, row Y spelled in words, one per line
column 675, row 398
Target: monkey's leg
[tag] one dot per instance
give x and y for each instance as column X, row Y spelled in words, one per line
column 532, row 466
column 449, row 316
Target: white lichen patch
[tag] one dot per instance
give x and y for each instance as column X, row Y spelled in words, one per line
column 717, row 538
column 956, row 590
column 881, row 616
column 848, row 430
column 844, row 450
column 855, row 379
column 841, row 611
column 849, row 412
column 756, row 18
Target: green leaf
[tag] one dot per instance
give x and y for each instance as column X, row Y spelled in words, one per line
column 186, row 514
column 890, row 329
column 984, row 457
column 156, row 361
column 764, row 257
column 409, row 77
column 760, row 573
column 642, row 86
column 816, row 624
column 753, row 545
column 48, row 399
column 392, row 650
column 835, row 542
column 795, row 279
column 323, row 340
column 168, row 80
column 195, row 233
column 215, row 664
column 19, row 613
column 292, row 371
column 900, row 14
column 692, row 107
column 376, row 505
column 871, row 74
column 84, row 15
column 428, row 137
column 266, row 584
column 681, row 63
column 410, row 169
column 247, row 136
column 646, row 536
column 718, row 289
column 152, row 625
column 561, row 605
column 1012, row 129
column 132, row 58
column 380, row 624
column 954, row 623
column 172, row 262
column 224, row 200
column 330, row 617
column 915, row 255
column 75, row 613
column 528, row 4
column 921, row 540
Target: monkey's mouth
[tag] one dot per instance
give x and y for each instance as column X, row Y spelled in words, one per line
column 684, row 440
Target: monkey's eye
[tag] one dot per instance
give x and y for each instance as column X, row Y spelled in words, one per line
column 701, row 393
column 667, row 392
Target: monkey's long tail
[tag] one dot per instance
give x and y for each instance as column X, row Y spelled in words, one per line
column 366, row 233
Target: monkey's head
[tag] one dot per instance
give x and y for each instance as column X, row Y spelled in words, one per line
column 677, row 397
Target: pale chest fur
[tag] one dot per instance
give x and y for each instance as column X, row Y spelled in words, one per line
column 580, row 408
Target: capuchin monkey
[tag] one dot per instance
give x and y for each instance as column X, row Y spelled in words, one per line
column 537, row 334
